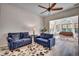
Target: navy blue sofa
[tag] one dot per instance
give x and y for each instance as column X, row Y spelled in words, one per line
column 47, row 40
column 16, row 40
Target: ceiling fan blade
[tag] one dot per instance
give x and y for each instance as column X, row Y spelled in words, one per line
column 42, row 7
column 57, row 8
column 43, row 11
column 52, row 5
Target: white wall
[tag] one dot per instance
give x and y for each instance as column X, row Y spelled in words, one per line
column 15, row 19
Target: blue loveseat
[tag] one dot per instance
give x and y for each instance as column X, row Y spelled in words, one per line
column 16, row 40
column 47, row 40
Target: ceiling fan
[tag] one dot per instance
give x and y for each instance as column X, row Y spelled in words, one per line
column 50, row 8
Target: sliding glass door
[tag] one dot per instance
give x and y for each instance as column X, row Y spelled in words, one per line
column 69, row 24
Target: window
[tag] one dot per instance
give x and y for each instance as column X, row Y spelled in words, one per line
column 67, row 27
column 64, row 27
column 76, row 27
column 69, row 24
column 58, row 27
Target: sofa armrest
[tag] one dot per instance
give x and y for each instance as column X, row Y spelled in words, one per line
column 10, row 43
column 51, row 42
column 9, row 39
column 35, row 38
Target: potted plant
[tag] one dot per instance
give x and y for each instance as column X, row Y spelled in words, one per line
column 43, row 30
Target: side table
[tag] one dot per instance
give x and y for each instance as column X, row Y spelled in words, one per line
column 33, row 36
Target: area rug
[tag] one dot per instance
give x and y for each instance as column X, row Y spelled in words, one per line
column 28, row 50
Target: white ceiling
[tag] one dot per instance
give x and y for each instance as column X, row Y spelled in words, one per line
column 33, row 7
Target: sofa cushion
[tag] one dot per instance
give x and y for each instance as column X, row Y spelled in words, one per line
column 42, row 39
column 18, row 43
column 23, row 35
column 46, row 36
column 49, row 36
column 10, row 35
column 42, row 35
column 26, row 34
column 14, row 35
column 18, row 40
column 26, row 40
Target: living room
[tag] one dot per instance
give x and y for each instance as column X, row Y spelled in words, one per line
column 26, row 20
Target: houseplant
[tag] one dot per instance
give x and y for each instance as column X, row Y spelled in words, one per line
column 43, row 29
